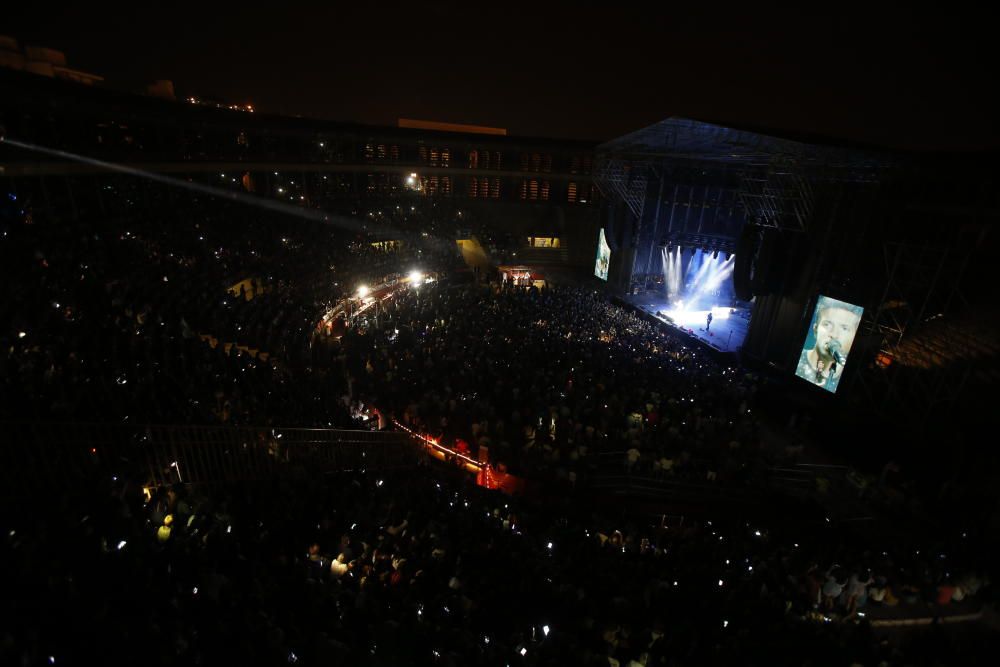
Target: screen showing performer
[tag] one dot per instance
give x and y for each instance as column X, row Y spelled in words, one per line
column 603, row 257
column 828, row 342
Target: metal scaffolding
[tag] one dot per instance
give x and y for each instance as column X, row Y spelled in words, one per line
column 625, row 178
column 780, row 197
column 772, row 178
column 924, row 341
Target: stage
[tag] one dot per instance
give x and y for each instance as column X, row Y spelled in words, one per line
column 728, row 330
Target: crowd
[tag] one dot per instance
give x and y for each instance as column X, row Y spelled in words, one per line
column 428, row 569
column 555, row 380
column 127, row 315
column 112, row 318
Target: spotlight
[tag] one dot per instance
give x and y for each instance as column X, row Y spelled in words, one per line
column 363, row 291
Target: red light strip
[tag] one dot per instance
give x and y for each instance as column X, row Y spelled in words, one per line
column 434, row 443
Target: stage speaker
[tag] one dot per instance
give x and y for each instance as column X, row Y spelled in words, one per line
column 746, row 255
column 611, row 225
column 771, row 264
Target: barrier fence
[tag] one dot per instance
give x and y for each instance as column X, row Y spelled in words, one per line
column 35, row 457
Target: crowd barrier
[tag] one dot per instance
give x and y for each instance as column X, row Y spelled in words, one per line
column 36, row 457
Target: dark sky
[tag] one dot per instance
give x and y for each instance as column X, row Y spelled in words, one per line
column 891, row 77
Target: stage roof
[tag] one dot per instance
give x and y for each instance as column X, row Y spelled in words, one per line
column 686, row 139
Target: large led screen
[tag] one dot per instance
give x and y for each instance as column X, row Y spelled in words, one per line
column 603, row 257
column 828, row 342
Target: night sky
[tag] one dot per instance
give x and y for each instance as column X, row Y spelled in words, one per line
column 888, row 77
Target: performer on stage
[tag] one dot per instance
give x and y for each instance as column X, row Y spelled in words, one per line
column 708, row 325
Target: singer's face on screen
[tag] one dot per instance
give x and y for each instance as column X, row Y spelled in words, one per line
column 836, row 324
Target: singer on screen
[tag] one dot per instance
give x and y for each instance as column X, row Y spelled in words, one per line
column 832, row 333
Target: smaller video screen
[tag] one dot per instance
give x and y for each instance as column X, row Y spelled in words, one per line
column 603, row 257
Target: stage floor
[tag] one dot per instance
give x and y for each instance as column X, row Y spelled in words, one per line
column 726, row 334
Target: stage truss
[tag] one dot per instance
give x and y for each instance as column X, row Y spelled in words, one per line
column 771, row 179
column 927, row 342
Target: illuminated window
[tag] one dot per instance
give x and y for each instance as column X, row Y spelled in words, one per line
column 571, row 193
column 474, row 159
column 436, row 157
column 543, row 193
column 533, row 189
column 480, row 188
column 495, row 188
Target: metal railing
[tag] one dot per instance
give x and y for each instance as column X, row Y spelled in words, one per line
column 609, row 471
column 663, row 489
column 34, row 457
column 808, row 479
